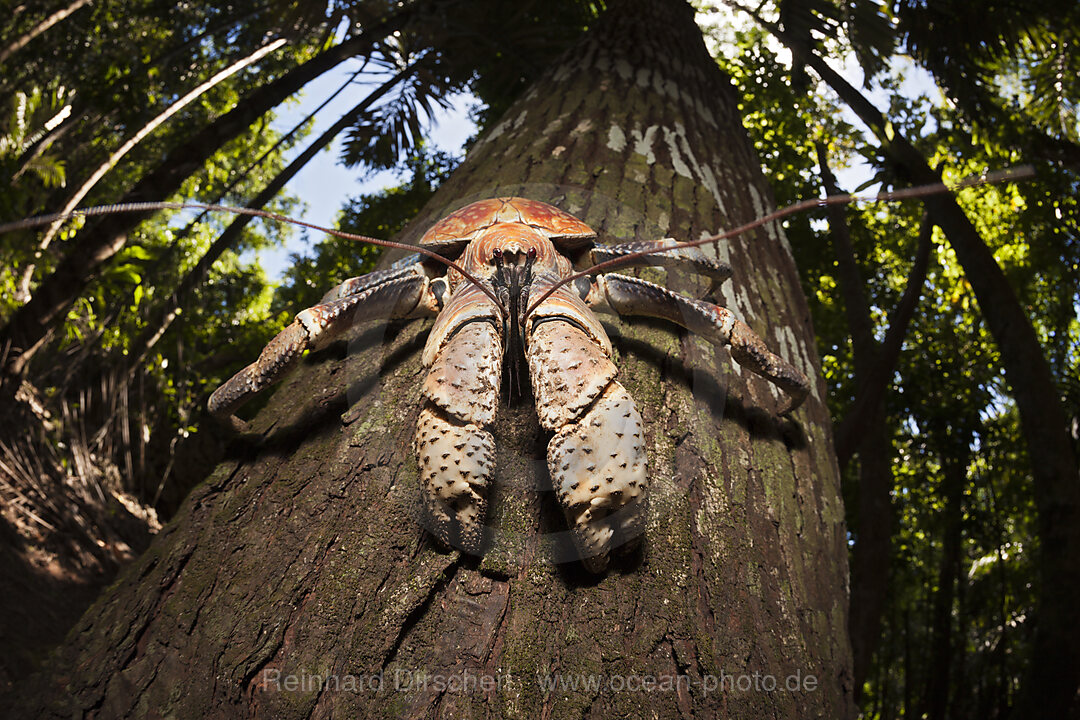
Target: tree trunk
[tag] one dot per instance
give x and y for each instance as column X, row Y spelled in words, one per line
column 296, row 582
column 874, row 364
column 940, row 661
column 873, row 385
column 873, row 527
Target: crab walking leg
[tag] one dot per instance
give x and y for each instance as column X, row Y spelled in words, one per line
column 597, row 456
column 405, row 267
column 631, row 296
column 455, row 452
column 688, row 258
column 399, row 297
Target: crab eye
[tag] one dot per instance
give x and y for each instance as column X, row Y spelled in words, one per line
column 532, row 253
column 496, row 253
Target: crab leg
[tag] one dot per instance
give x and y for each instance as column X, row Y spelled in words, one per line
column 402, row 268
column 396, row 297
column 631, row 296
column 688, row 258
column 597, row 456
column 455, row 451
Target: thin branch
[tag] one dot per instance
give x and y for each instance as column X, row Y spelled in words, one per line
column 41, row 27
column 146, row 129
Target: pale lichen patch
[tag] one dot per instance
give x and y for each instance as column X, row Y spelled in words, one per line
column 563, row 72
column 679, row 147
column 797, row 354
column 755, row 200
column 643, row 142
column 663, row 222
column 708, row 179
column 554, row 125
column 666, row 86
column 705, row 113
column 677, row 163
column 721, row 249
column 616, row 138
column 582, row 127
column 744, row 302
column 503, row 126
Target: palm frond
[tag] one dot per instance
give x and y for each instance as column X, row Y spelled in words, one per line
column 386, row 134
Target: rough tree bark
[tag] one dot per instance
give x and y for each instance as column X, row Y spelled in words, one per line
column 301, row 557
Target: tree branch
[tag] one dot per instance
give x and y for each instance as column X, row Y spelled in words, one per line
column 877, row 379
column 96, row 245
column 41, row 27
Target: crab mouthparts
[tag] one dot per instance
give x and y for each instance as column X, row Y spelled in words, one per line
column 512, row 280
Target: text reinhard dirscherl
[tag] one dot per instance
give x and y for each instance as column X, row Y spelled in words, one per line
column 470, row 681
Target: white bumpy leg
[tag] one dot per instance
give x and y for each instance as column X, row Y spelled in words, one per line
column 455, row 452
column 597, row 457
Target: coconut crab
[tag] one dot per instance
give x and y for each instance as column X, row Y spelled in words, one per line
column 512, row 300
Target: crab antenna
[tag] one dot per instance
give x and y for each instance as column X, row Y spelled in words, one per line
column 137, row 207
column 1017, row 173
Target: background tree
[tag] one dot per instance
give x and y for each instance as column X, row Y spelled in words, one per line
column 951, row 139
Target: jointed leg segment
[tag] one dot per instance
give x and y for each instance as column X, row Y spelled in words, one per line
column 632, row 296
column 394, row 297
column 691, row 259
column 405, row 267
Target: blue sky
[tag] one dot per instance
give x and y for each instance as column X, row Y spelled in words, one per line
column 324, row 185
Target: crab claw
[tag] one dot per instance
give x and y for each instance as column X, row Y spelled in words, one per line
column 456, row 461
